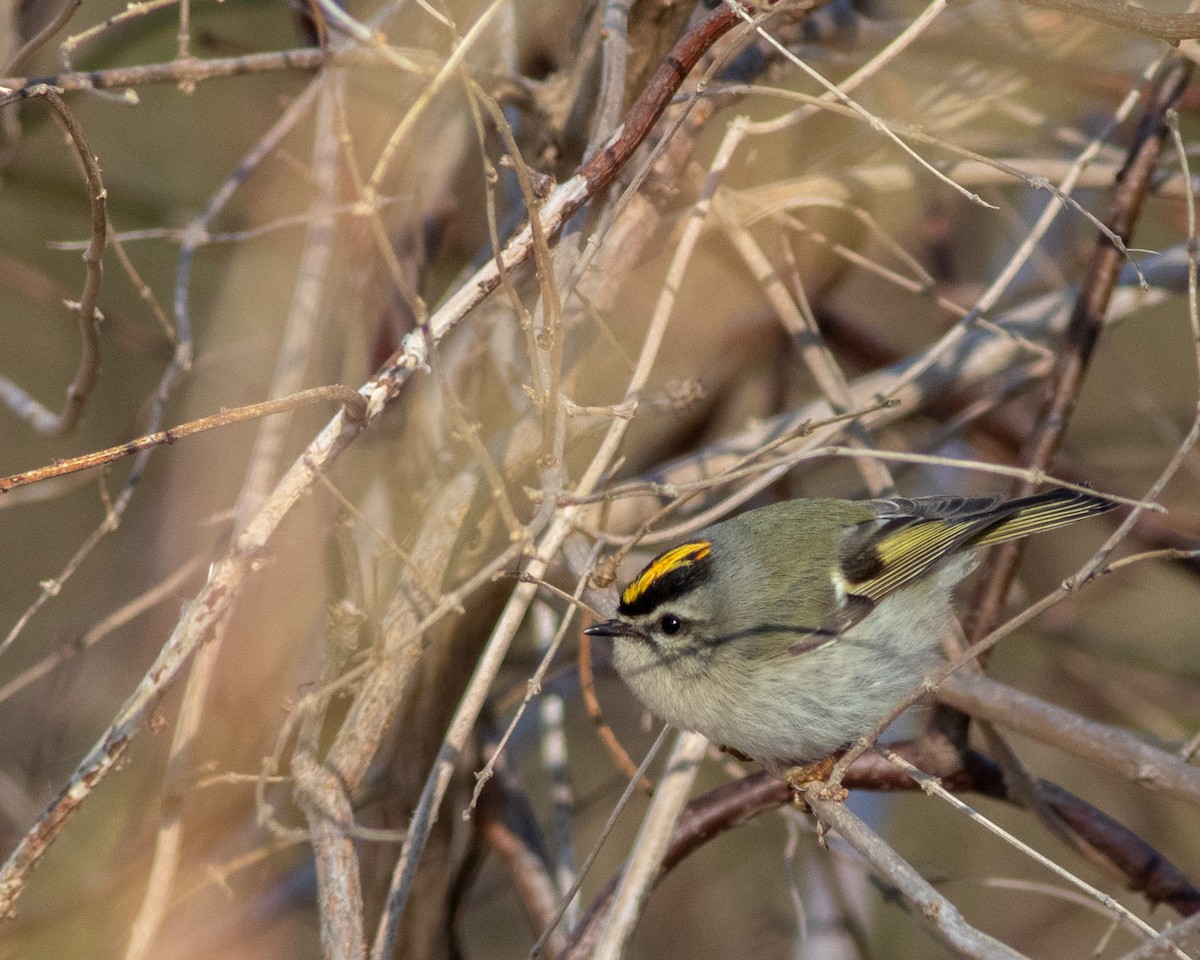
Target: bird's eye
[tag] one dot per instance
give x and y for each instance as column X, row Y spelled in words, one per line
column 670, row 624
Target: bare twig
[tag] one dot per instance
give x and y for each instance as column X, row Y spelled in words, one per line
column 533, row 688
column 875, row 122
column 796, row 314
column 554, row 761
column 88, row 372
column 591, row 704
column 534, row 886
column 946, row 923
column 194, row 70
column 340, row 394
column 1171, row 27
column 168, row 587
column 35, row 43
column 931, row 786
column 131, row 12
column 1185, row 932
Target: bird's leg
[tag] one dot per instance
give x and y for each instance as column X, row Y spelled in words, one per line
column 736, row 754
column 798, row 778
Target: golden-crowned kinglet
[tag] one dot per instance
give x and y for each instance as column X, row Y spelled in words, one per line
column 787, row 632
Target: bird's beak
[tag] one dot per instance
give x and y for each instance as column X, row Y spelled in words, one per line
column 611, row 628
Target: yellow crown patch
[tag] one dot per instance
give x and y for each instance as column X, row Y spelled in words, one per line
column 684, row 555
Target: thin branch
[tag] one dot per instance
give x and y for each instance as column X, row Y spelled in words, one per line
column 875, row 122
column 534, row 886
column 595, row 915
column 931, row 786
column 132, row 11
column 615, row 56
column 1171, row 27
column 88, row 372
column 35, row 43
column 591, row 704
column 533, row 688
column 1167, row 940
column 554, row 763
column 147, row 600
column 196, row 233
column 346, row 396
column 944, row 919
column 796, row 315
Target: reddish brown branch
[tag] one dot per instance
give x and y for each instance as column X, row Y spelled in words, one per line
column 591, row 703
column 508, row 828
column 644, row 113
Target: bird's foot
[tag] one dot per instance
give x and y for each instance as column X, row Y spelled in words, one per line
column 802, row 777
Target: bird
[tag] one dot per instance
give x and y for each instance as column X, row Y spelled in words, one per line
column 789, row 631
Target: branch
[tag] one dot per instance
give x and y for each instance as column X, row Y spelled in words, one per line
column 192, row 70
column 53, row 25
column 946, row 922
column 1111, row 747
column 211, row 607
column 1171, row 27
column 88, row 372
column 738, row 802
column 253, row 411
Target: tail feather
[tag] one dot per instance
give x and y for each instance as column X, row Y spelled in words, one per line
column 1045, row 511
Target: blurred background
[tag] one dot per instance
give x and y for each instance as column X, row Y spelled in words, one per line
column 276, row 224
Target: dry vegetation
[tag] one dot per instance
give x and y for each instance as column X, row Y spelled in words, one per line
column 315, row 682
